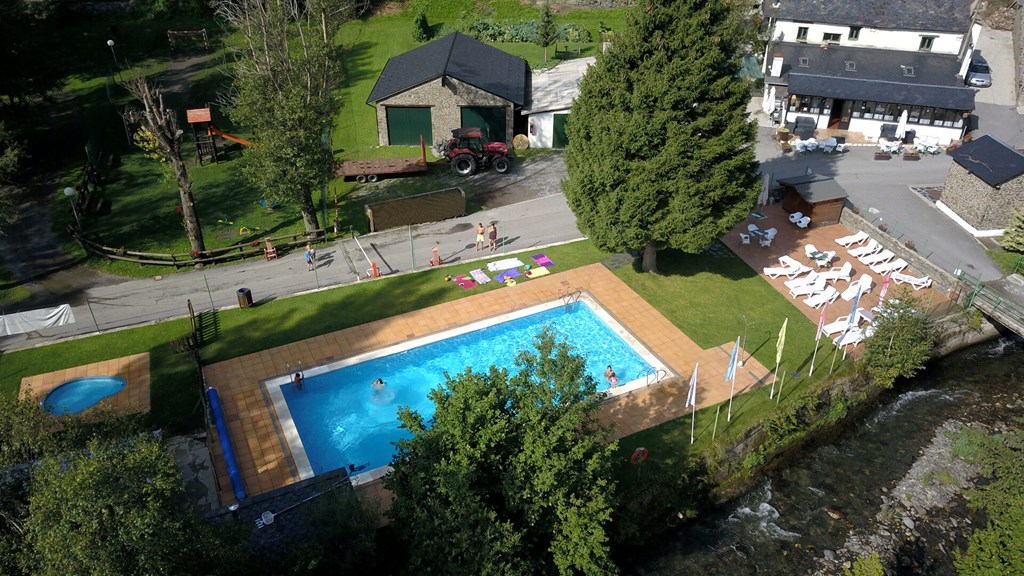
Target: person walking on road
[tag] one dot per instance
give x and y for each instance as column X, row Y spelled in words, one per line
column 492, row 235
column 310, row 256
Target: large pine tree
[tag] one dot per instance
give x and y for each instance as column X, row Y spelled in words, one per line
column 661, row 153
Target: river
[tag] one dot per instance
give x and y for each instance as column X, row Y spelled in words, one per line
column 781, row 526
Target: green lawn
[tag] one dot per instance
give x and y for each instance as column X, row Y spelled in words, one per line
column 1007, row 261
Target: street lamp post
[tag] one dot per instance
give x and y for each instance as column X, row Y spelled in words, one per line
column 117, row 66
column 70, row 193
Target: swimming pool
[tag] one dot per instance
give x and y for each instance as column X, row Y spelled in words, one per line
column 337, row 419
column 80, row 394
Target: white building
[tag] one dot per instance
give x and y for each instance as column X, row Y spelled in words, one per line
column 858, row 64
column 551, row 98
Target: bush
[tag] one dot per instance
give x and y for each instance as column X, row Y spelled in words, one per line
column 902, row 342
column 421, row 30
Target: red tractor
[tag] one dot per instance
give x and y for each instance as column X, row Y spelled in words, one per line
column 467, row 151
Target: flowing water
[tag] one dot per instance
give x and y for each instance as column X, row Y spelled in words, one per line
column 781, row 527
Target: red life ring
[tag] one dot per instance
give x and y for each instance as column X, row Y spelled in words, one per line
column 638, row 457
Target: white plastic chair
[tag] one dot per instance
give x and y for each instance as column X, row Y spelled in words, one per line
column 744, row 239
column 795, row 216
column 829, row 145
column 752, row 228
column 804, row 222
column 771, row 232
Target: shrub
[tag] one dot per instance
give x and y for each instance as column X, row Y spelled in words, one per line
column 421, row 30
column 1013, row 239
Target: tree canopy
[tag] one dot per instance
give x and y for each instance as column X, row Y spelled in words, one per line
column 547, row 32
column 1013, row 239
column 902, row 342
column 660, row 149
column 511, row 476
column 284, row 88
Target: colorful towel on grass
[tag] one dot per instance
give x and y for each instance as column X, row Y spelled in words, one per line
column 513, row 273
column 479, row 276
column 542, row 260
column 505, row 264
column 465, row 281
column 535, row 272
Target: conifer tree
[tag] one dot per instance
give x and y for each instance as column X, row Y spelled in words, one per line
column 1013, row 239
column 660, row 149
column 547, row 32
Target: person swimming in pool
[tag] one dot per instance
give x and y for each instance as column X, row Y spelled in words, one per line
column 378, row 385
column 610, row 376
column 297, row 380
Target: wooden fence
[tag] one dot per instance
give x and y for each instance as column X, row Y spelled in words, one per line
column 213, row 256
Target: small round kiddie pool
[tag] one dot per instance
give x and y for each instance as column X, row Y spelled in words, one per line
column 77, row 395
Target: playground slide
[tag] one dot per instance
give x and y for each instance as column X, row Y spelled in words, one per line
column 217, row 132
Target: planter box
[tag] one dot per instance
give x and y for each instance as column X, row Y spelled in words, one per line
column 883, row 156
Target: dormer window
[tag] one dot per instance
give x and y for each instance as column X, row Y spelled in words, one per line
column 801, row 33
column 804, row 62
column 908, row 71
column 926, row 43
column 854, row 33
column 830, row 38
column 851, row 66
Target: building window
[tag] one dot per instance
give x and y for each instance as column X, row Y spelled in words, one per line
column 801, row 34
column 851, row 66
column 854, row 33
column 927, row 42
column 831, row 38
column 804, row 62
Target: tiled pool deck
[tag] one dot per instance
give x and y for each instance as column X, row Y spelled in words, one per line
column 265, row 465
column 134, row 369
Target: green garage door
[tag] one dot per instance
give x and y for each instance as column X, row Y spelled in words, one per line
column 559, row 138
column 406, row 125
column 491, row 121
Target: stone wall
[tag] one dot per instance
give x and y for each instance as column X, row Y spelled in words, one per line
column 446, row 96
column 982, row 206
column 941, row 280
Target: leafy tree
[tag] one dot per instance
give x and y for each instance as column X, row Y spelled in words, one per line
column 512, row 475
column 1013, row 238
column 866, row 566
column 547, row 31
column 27, row 68
column 284, row 88
column 902, row 342
column 997, row 549
column 421, row 30
column 160, row 138
column 112, row 509
column 660, row 149
column 11, row 155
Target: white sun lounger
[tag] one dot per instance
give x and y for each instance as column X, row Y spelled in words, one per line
column 808, row 289
column 883, row 256
column 842, row 323
column 847, row 241
column 854, row 337
column 863, row 284
column 844, row 272
column 827, row 296
column 774, row 272
column 896, row 265
column 809, row 279
column 914, row 281
column 870, row 248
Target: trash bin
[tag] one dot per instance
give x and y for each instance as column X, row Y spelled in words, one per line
column 244, row 298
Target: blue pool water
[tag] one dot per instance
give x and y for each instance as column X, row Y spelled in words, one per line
column 77, row 395
column 342, row 421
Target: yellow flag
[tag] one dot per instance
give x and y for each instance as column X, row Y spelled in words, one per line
column 781, row 343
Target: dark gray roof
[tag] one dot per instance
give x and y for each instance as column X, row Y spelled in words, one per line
column 989, row 159
column 460, row 57
column 815, row 187
column 931, row 16
column 911, row 78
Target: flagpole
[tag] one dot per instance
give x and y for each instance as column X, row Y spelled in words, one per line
column 783, row 383
column 817, row 336
column 691, row 399
column 732, row 389
column 730, row 375
column 774, row 376
column 813, row 356
column 693, row 422
column 715, row 429
column 834, row 354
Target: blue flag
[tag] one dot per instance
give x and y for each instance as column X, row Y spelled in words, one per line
column 730, row 374
column 853, row 312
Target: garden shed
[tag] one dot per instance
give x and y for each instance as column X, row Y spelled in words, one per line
column 551, row 96
column 819, row 197
column 984, row 186
column 452, row 82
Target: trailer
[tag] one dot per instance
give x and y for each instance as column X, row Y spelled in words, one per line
column 371, row 170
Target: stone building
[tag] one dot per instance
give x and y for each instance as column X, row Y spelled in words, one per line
column 452, row 82
column 984, row 185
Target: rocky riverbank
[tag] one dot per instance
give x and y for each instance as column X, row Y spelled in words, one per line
column 915, row 522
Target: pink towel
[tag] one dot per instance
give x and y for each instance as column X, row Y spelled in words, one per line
column 465, row 282
column 542, row 260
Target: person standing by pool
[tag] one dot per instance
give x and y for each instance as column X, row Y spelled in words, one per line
column 610, row 376
column 492, row 235
column 297, row 380
column 479, row 236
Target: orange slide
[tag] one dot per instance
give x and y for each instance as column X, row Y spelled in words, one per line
column 214, row 131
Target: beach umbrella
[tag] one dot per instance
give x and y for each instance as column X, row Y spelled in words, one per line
column 901, row 128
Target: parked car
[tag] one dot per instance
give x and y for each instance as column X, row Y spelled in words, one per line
column 978, row 74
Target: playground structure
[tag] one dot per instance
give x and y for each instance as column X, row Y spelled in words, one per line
column 203, row 131
column 371, row 170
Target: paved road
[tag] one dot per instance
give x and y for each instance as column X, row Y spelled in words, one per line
column 543, row 221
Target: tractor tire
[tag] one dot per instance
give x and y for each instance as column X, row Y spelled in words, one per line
column 371, row 178
column 464, row 164
column 361, row 179
column 501, row 164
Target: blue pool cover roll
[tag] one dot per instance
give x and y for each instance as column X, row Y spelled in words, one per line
column 225, row 444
